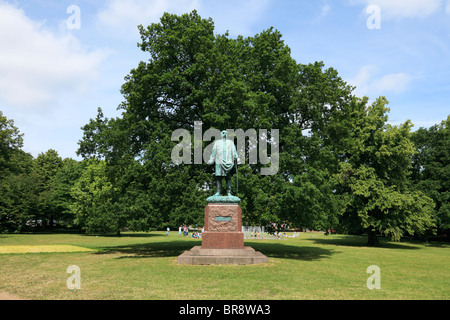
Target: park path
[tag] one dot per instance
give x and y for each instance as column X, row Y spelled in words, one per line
column 7, row 296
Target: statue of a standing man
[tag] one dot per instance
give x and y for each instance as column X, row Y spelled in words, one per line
column 224, row 154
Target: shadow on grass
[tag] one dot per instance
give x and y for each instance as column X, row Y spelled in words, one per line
column 285, row 251
column 70, row 232
column 151, row 250
column 126, row 235
column 361, row 241
column 439, row 244
column 175, row 248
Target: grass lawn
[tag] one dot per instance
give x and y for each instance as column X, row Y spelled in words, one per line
column 144, row 266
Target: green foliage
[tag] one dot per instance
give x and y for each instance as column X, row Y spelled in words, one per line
column 95, row 205
column 63, row 182
column 18, row 184
column 10, row 141
column 194, row 75
column 373, row 179
column 46, row 167
column 31, row 189
column 431, row 171
column 19, row 202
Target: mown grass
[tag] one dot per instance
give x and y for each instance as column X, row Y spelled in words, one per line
column 144, row 266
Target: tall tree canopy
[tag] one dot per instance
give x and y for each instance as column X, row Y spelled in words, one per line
column 431, row 173
column 373, row 180
column 350, row 161
column 194, row 75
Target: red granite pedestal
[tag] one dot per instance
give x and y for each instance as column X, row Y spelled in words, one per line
column 223, row 227
column 222, row 239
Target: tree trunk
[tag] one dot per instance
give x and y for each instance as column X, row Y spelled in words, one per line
column 372, row 240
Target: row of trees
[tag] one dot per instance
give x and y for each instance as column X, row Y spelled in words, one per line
column 49, row 192
column 34, row 193
column 352, row 171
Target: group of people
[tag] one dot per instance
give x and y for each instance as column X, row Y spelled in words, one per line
column 196, row 235
column 184, row 230
column 255, row 235
column 279, row 234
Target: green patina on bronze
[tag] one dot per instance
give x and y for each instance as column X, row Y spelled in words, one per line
column 221, row 219
column 224, row 155
column 223, row 199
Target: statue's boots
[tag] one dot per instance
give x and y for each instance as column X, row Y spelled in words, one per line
column 219, row 187
column 229, row 187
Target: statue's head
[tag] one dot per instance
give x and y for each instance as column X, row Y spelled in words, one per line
column 224, row 133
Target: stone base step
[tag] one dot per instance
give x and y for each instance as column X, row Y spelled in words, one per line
column 202, row 256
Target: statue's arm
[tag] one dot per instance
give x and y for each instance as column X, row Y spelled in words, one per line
column 213, row 155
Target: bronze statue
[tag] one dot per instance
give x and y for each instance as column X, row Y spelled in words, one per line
column 224, row 154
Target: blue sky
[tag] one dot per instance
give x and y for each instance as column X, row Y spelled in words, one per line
column 53, row 77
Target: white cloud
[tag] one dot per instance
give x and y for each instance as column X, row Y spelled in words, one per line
column 324, row 11
column 368, row 83
column 125, row 16
column 447, row 8
column 394, row 82
column 38, row 66
column 391, row 9
column 237, row 16
column 361, row 80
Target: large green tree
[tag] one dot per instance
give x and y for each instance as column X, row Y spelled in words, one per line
column 373, row 180
column 18, row 184
column 350, row 162
column 47, row 165
column 34, row 192
column 96, row 205
column 242, row 83
column 19, row 210
column 62, row 183
column 431, row 172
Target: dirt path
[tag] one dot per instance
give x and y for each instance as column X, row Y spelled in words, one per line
column 7, row 296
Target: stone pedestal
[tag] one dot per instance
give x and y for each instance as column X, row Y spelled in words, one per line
column 222, row 239
column 223, row 227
